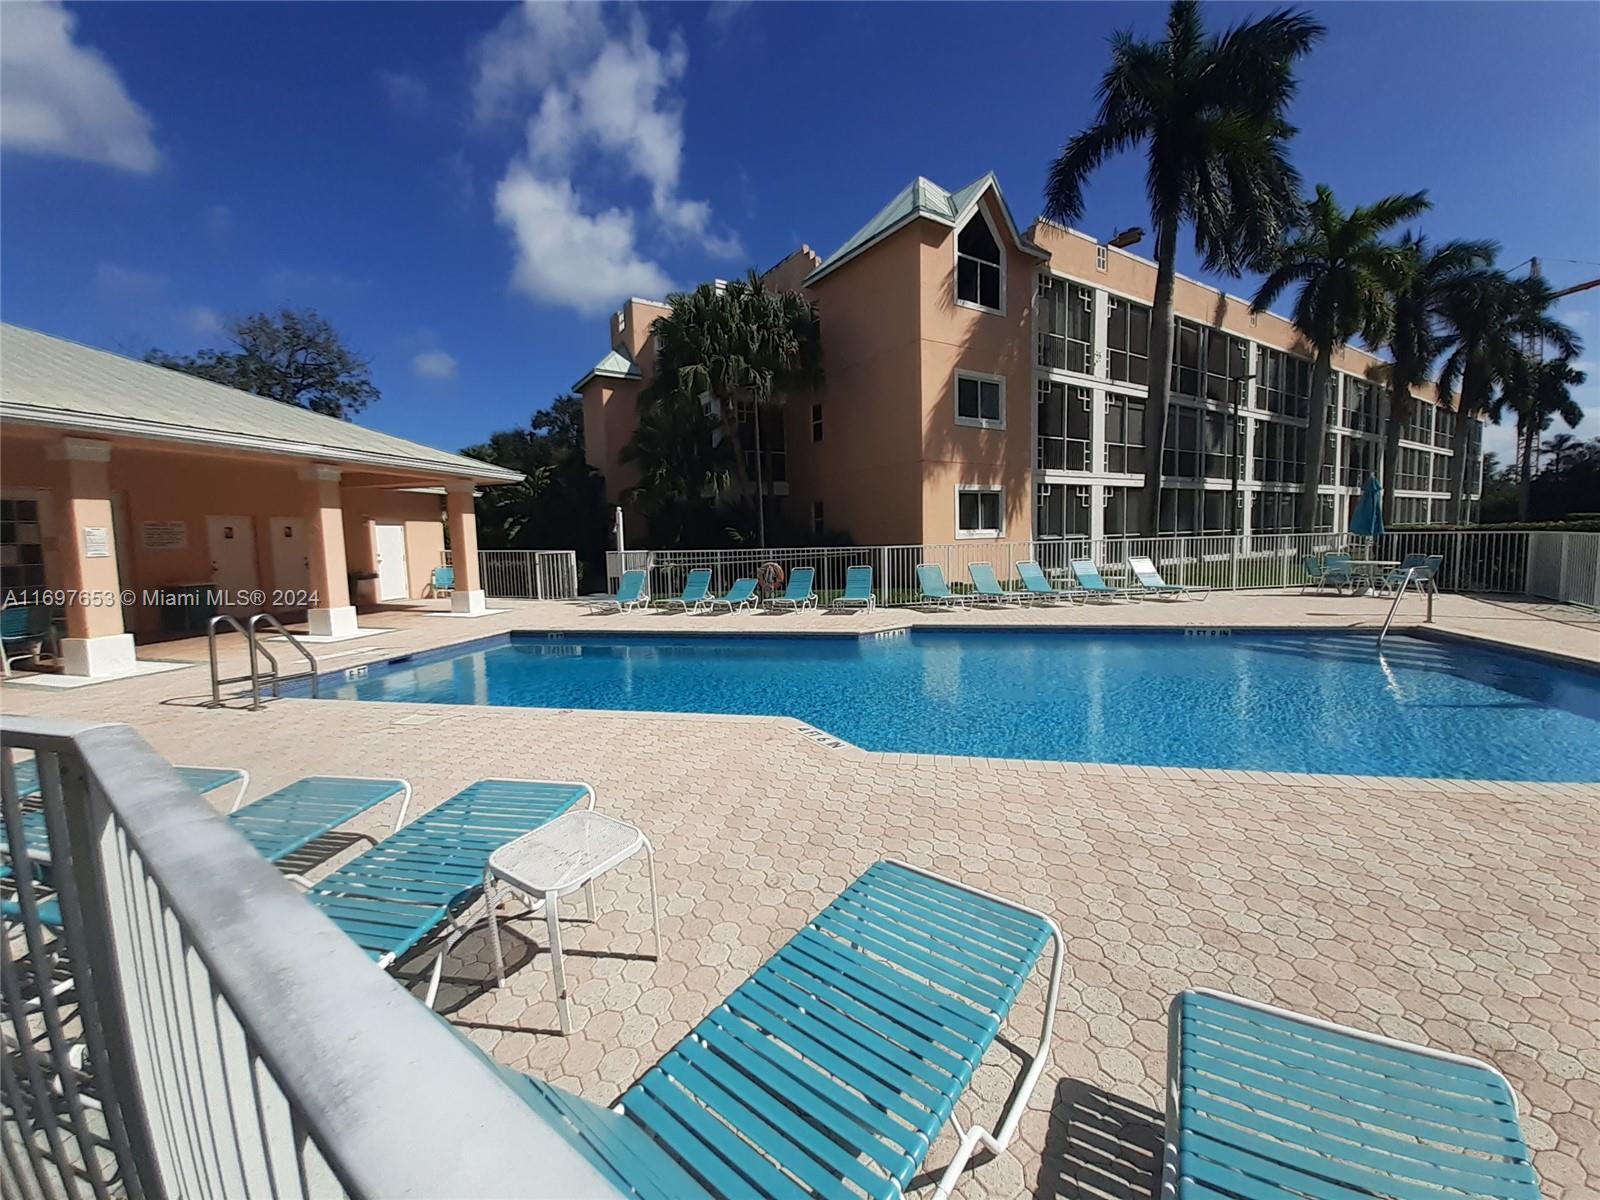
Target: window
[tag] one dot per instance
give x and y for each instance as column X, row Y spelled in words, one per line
column 1441, row 472
column 1274, row 512
column 1099, row 258
column 1362, row 406
column 1361, row 458
column 1419, row 422
column 1226, row 366
column 21, row 549
column 816, row 518
column 1474, row 479
column 1283, row 383
column 979, row 513
column 1187, row 341
column 1060, row 511
column 1196, row 444
column 1063, row 417
column 1330, row 458
column 1414, row 472
column 1125, row 446
column 1123, row 512
column 816, row 422
column 773, row 450
column 1128, row 340
column 1066, row 325
column 1444, row 427
column 1192, row 511
column 978, row 264
column 980, row 401
column 1280, row 452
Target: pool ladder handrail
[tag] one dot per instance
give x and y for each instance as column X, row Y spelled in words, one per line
column 251, row 633
column 1393, row 608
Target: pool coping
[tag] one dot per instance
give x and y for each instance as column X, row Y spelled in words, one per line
column 832, row 743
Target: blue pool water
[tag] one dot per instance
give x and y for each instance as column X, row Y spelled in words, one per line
column 1323, row 703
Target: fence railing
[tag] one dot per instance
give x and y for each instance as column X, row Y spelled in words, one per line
column 1559, row 566
column 176, row 1020
column 527, row 574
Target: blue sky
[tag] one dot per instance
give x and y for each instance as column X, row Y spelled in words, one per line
column 465, row 190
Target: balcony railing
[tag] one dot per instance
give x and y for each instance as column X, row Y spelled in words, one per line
column 177, row 1021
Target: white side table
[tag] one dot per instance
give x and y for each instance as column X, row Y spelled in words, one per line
column 556, row 860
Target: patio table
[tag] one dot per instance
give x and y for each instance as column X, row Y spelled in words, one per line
column 555, row 860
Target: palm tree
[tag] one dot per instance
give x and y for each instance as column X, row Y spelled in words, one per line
column 1538, row 393
column 1346, row 274
column 1428, row 274
column 1560, row 449
column 1210, row 111
column 741, row 348
column 1485, row 326
column 681, row 465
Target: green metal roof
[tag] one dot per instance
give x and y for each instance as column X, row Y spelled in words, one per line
column 615, row 365
column 923, row 198
column 52, row 382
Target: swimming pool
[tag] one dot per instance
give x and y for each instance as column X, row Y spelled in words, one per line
column 1273, row 701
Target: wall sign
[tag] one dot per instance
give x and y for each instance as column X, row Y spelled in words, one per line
column 165, row 535
column 96, row 542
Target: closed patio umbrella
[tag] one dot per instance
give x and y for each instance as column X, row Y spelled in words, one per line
column 1367, row 520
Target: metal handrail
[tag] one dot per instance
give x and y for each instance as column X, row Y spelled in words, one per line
column 217, row 681
column 293, row 641
column 1393, row 608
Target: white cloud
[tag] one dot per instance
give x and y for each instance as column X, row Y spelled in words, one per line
column 219, row 219
column 566, row 256
column 204, row 321
column 66, row 100
column 434, row 364
column 602, row 95
column 116, row 284
column 407, row 93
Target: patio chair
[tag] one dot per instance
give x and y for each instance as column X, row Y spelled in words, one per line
column 935, row 591
column 442, row 581
column 740, row 596
column 857, row 590
column 23, row 628
column 291, row 818
column 832, row 1069
column 204, row 780
column 1339, row 571
column 391, row 897
column 1316, row 574
column 1038, row 585
column 696, row 594
column 1262, row 1101
column 798, row 594
column 1422, row 568
column 1096, row 588
column 632, row 592
column 1150, row 581
column 987, row 589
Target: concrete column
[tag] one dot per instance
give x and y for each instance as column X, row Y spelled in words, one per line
column 333, row 615
column 95, row 643
column 467, row 596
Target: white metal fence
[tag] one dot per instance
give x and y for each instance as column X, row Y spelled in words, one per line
column 527, row 574
column 176, row 1020
column 1558, row 566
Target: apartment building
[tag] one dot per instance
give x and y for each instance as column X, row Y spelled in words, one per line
column 984, row 381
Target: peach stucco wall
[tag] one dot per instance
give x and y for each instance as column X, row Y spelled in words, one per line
column 172, row 487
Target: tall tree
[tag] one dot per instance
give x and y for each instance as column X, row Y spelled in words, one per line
column 1536, row 393
column 1210, row 111
column 1346, row 273
column 1428, row 274
column 744, row 348
column 683, row 466
column 292, row 356
column 1484, row 328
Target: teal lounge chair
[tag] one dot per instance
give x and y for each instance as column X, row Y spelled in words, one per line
column 631, row 593
column 799, row 593
column 1095, row 588
column 857, row 590
column 1266, row 1102
column 740, row 596
column 987, row 589
column 935, row 591
column 832, row 1069
column 442, row 581
column 22, row 633
column 1033, row 579
column 394, row 895
column 696, row 596
column 1144, row 570
column 204, row 780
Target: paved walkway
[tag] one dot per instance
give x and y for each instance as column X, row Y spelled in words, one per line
column 1463, row 915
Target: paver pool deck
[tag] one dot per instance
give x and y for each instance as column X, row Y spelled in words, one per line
column 1465, row 915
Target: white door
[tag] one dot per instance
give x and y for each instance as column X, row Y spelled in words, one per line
column 232, row 541
column 393, row 579
column 291, row 567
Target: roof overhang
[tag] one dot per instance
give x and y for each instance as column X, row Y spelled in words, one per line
column 155, row 431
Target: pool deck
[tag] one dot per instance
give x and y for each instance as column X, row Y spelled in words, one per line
column 1465, row 915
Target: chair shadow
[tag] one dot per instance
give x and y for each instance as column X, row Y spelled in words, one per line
column 1100, row 1145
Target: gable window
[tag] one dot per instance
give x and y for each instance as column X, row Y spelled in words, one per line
column 978, row 264
column 816, row 422
column 981, row 401
column 979, row 512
